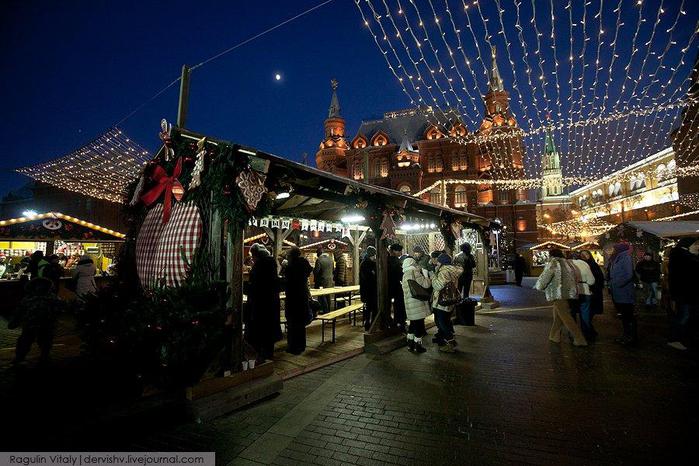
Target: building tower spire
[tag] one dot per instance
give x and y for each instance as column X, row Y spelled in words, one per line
column 552, row 173
column 495, row 83
column 334, row 110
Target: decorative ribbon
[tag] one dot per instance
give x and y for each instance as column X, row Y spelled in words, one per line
column 169, row 185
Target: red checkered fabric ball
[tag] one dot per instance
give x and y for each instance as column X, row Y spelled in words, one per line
column 163, row 251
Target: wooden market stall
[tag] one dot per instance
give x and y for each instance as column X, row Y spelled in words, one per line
column 194, row 207
column 538, row 255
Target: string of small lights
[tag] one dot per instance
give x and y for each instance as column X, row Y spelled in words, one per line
column 595, row 132
column 102, row 168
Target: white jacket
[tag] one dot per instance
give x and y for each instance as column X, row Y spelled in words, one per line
column 558, row 280
column 414, row 308
column 587, row 279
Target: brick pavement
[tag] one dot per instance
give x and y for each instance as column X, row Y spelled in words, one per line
column 507, row 396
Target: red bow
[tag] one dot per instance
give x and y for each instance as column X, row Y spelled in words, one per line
column 170, row 185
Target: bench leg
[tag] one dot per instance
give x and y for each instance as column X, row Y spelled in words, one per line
column 334, row 320
column 322, row 331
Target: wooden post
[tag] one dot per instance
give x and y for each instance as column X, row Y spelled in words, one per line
column 183, row 105
column 234, row 277
column 383, row 299
column 356, row 237
column 277, row 235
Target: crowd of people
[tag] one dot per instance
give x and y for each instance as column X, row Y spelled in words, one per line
column 437, row 275
column 41, row 304
column 575, row 285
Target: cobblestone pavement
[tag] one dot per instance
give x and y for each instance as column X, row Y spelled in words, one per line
column 506, row 396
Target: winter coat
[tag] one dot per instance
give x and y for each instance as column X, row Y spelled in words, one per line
column 648, row 271
column 323, row 271
column 444, row 274
column 557, row 280
column 423, row 262
column 367, row 281
column 683, row 269
column 414, row 308
column 263, row 303
column 340, row 270
column 597, row 288
column 586, row 277
column 84, row 275
column 467, row 263
column 621, row 278
column 297, row 293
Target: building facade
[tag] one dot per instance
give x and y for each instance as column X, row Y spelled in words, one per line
column 434, row 155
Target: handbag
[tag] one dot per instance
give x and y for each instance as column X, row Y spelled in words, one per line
column 418, row 291
column 449, row 295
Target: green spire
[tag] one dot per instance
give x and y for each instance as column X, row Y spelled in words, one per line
column 549, row 146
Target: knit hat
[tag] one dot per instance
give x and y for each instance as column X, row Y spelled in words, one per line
column 435, row 254
column 370, row 251
column 418, row 248
column 396, row 247
column 444, row 259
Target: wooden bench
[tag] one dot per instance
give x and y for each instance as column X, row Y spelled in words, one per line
column 350, row 311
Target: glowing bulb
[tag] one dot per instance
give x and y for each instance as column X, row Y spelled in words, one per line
column 278, row 77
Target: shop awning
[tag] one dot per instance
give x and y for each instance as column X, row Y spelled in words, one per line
column 55, row 226
column 672, row 229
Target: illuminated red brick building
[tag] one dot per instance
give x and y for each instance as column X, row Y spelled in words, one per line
column 418, row 150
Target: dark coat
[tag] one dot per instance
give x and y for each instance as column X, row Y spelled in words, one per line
column 621, row 278
column 648, row 271
column 597, row 297
column 263, row 324
column 520, row 265
column 297, row 293
column 323, row 271
column 367, row 281
column 683, row 270
column 340, row 275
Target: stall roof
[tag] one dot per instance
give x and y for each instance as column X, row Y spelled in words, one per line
column 55, row 226
column 550, row 245
column 668, row 229
column 325, row 196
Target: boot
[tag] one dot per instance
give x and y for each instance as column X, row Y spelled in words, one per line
column 449, row 347
column 411, row 342
column 418, row 346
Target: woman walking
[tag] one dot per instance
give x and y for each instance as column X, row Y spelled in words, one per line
column 415, row 309
column 297, row 271
column 621, row 284
column 559, row 283
column 446, row 278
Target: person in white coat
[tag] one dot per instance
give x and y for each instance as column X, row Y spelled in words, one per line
column 415, row 309
column 585, row 281
column 84, row 275
column 559, row 284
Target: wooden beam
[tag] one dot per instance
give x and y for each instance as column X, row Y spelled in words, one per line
column 183, row 105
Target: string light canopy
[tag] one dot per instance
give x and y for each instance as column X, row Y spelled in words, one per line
column 612, row 75
column 102, row 168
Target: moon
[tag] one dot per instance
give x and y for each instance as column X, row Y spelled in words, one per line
column 278, row 77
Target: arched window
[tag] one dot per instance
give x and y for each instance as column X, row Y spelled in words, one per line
column 671, row 165
column 380, row 166
column 359, row 143
column 434, row 163
column 460, row 196
column 357, row 170
column 632, row 182
column 433, row 133
column 380, row 140
column 405, row 188
column 459, row 162
column 436, row 195
column 660, row 172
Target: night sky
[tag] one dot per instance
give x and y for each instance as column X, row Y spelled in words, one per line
column 73, row 69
